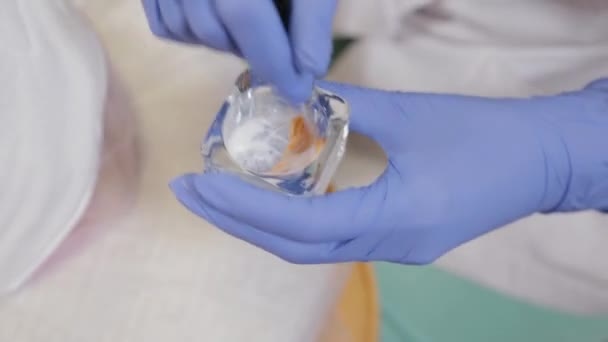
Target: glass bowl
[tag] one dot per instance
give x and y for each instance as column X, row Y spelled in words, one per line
column 269, row 142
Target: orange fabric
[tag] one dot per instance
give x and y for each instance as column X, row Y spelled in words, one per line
column 357, row 315
column 301, row 138
column 356, row 318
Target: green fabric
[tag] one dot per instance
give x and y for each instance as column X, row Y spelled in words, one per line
column 426, row 304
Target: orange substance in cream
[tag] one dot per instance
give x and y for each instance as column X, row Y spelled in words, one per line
column 300, row 136
column 301, row 139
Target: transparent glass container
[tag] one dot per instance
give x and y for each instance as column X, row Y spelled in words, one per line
column 271, row 143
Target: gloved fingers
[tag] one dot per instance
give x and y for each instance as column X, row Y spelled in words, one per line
column 155, row 21
column 257, row 30
column 205, row 25
column 374, row 113
column 334, row 217
column 311, row 34
column 291, row 251
column 174, row 19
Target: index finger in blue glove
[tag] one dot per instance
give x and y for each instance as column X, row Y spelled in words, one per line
column 204, row 23
column 155, row 21
column 295, row 252
column 311, row 34
column 334, row 217
column 257, row 30
column 174, row 17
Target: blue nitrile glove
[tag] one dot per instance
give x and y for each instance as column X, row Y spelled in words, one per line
column 253, row 30
column 458, row 167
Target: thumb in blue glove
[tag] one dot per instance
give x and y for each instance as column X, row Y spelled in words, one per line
column 458, row 167
column 253, row 30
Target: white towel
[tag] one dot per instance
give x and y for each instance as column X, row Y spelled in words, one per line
column 52, row 93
